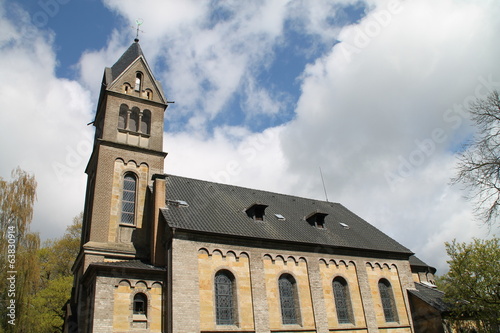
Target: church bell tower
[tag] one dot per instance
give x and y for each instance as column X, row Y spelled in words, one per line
column 127, row 152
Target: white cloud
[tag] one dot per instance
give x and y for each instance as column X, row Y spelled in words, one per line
column 368, row 111
column 370, row 107
column 43, row 124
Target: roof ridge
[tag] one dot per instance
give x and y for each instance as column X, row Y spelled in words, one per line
column 429, row 287
column 254, row 189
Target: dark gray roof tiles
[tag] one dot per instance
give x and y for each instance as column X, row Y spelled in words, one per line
column 133, row 52
column 416, row 262
column 431, row 296
column 220, row 209
column 134, row 264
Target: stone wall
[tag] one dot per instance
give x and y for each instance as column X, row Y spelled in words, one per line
column 257, row 270
column 113, row 305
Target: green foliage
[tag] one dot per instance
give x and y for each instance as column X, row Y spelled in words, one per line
column 55, row 259
column 43, row 277
column 49, row 303
column 472, row 285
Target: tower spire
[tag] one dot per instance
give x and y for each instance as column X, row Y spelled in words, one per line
column 138, row 22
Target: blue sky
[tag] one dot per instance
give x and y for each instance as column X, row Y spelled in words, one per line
column 265, row 93
column 77, row 26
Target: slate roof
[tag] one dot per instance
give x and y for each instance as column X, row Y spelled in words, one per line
column 220, row 209
column 431, row 296
column 416, row 262
column 133, row 264
column 133, row 52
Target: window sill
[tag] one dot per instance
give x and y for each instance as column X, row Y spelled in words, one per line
column 293, row 328
column 128, row 225
column 145, row 135
column 139, row 317
column 229, row 327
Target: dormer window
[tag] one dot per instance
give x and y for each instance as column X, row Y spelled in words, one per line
column 256, row 211
column 316, row 219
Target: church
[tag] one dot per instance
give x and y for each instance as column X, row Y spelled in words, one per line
column 165, row 253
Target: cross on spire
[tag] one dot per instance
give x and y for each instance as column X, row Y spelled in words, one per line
column 138, row 22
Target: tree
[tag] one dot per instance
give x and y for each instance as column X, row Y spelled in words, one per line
column 57, row 256
column 16, row 202
column 42, row 276
column 479, row 163
column 472, row 285
column 18, row 249
column 55, row 259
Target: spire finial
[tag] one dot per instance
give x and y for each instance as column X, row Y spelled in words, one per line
column 138, row 22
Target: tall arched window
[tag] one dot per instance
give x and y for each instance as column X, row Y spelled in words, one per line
column 388, row 303
column 290, row 311
column 134, row 120
column 342, row 301
column 138, row 81
column 122, row 117
column 128, row 199
column 225, row 298
column 140, row 304
column 145, row 121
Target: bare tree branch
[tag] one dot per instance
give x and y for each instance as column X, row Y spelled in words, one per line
column 478, row 165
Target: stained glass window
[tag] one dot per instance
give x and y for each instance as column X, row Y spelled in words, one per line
column 342, row 301
column 288, row 299
column 225, row 298
column 388, row 303
column 128, row 199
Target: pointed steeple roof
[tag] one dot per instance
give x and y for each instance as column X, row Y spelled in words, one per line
column 132, row 53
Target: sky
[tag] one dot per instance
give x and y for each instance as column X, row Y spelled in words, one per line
column 372, row 95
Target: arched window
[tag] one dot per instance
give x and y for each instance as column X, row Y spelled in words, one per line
column 140, row 304
column 342, row 301
column 290, row 312
column 388, row 303
column 127, row 88
column 134, row 120
column 138, row 81
column 122, row 117
column 225, row 298
column 149, row 94
column 128, row 199
column 145, row 121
